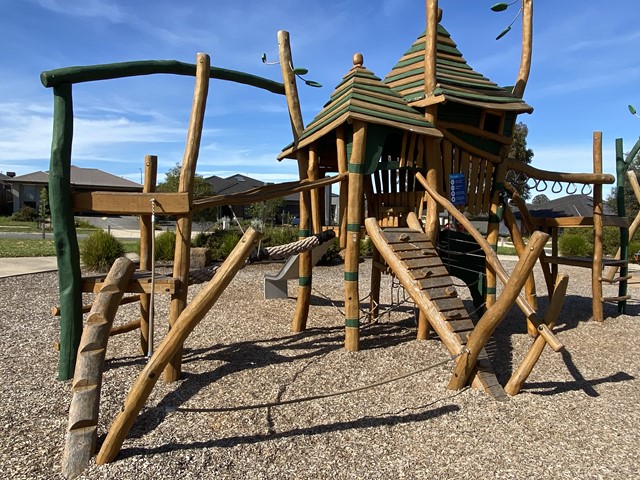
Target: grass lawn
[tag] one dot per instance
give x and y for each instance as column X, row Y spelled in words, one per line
column 13, row 247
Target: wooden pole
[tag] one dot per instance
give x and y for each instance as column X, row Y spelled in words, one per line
column 55, row 311
column 64, row 230
column 596, row 269
column 314, row 174
column 87, row 381
column 352, row 256
column 430, row 48
column 305, row 259
column 172, row 343
column 290, row 86
column 495, row 314
column 527, row 47
column 183, row 224
column 341, row 148
column 530, row 285
column 514, row 385
column 496, row 211
column 146, row 259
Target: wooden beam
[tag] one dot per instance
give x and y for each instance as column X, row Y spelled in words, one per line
column 132, row 203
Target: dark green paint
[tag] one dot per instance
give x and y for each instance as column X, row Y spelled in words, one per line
column 64, row 231
column 91, row 73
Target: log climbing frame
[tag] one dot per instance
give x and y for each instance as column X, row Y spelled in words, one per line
column 64, row 202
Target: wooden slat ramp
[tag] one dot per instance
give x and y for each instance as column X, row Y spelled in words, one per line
column 414, row 261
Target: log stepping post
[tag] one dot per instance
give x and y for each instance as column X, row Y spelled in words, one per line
column 87, row 381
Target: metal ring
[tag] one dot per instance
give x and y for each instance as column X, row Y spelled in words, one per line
column 553, row 187
column 544, row 182
column 569, row 191
column 589, row 192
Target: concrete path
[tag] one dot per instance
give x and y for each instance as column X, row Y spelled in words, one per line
column 10, row 267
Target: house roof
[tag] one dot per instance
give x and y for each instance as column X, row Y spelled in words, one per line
column 455, row 80
column 576, row 205
column 239, row 183
column 362, row 96
column 82, row 177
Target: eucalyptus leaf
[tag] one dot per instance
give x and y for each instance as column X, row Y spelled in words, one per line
column 311, row 83
column 264, row 58
column 300, row 71
column 633, row 110
column 503, row 33
column 499, row 7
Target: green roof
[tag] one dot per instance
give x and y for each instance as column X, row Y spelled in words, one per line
column 363, row 96
column 455, row 80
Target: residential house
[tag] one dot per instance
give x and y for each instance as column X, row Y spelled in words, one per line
column 6, row 199
column 26, row 189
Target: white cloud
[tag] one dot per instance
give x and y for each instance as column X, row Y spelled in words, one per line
column 86, row 8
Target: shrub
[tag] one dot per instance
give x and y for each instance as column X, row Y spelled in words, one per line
column 366, row 247
column 25, row 214
column 274, row 236
column 574, row 245
column 230, row 238
column 100, row 250
column 165, row 246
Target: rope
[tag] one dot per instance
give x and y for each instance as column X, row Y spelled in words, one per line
column 326, row 395
column 280, row 252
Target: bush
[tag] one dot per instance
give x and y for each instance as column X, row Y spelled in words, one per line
column 574, row 245
column 100, row 250
column 165, row 246
column 25, row 214
column 366, row 247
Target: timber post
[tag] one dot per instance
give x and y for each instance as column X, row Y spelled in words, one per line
column 184, row 222
column 146, row 259
column 354, row 217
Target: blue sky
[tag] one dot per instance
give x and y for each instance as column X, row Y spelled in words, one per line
column 586, row 70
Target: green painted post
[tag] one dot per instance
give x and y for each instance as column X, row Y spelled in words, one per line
column 621, row 173
column 64, row 231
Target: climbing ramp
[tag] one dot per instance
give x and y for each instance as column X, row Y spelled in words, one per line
column 414, row 261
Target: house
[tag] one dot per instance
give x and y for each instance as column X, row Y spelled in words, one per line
column 6, row 199
column 576, row 205
column 241, row 183
column 26, row 189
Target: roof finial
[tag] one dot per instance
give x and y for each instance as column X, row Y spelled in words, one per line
column 358, row 59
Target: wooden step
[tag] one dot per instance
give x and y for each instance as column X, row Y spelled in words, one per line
column 140, row 283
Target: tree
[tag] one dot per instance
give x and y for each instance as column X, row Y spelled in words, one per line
column 266, row 210
column 201, row 188
column 630, row 201
column 521, row 153
column 540, row 199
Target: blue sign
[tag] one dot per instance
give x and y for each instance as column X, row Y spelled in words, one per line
column 457, row 189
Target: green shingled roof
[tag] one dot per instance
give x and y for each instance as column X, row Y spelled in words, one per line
column 363, row 96
column 455, row 79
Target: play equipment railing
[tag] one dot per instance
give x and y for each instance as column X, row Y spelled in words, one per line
column 62, row 204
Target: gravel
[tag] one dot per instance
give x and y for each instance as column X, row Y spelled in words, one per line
column 577, row 416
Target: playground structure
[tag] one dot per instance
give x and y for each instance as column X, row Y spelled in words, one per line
column 433, row 136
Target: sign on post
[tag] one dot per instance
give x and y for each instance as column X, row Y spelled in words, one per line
column 457, row 189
